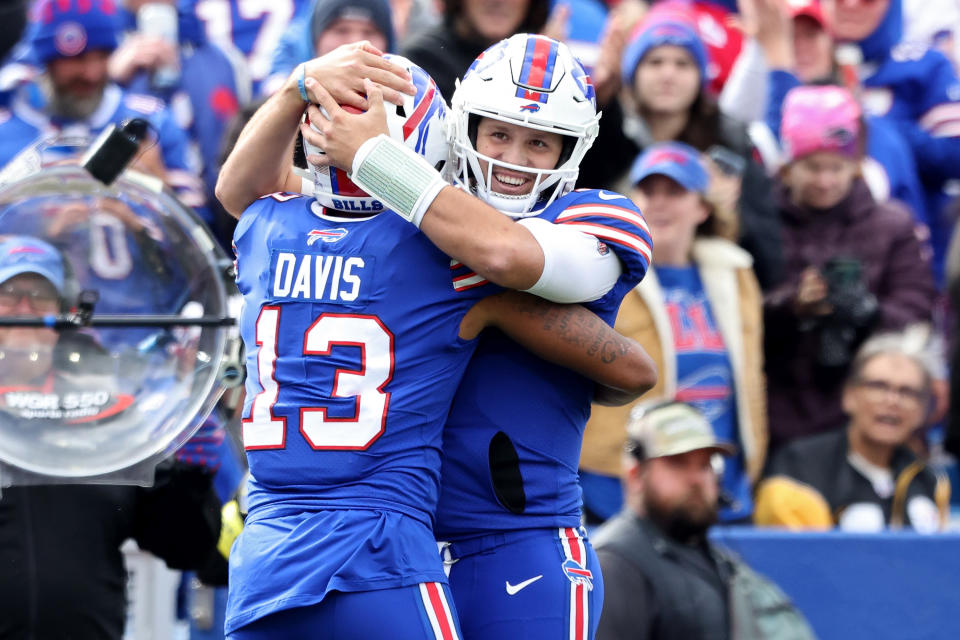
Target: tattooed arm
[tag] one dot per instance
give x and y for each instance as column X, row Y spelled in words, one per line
column 570, row 336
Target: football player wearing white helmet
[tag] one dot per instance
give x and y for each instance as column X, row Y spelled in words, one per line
column 522, row 119
column 358, row 330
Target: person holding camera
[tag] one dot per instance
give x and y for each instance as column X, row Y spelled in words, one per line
column 852, row 265
column 698, row 314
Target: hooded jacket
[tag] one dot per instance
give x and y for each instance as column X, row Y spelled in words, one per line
column 804, row 398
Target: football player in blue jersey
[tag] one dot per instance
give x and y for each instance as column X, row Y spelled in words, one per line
column 523, row 117
column 358, row 330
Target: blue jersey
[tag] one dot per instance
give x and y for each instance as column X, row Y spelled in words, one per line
column 26, row 121
column 704, row 374
column 206, row 96
column 353, row 356
column 918, row 90
column 529, row 479
column 253, row 27
column 134, row 269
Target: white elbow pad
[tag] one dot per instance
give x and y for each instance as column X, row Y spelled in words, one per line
column 577, row 267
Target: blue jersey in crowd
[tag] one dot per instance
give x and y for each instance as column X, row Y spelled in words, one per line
column 211, row 86
column 253, row 27
column 353, row 355
column 540, row 407
column 25, row 121
column 917, row 89
column 704, row 375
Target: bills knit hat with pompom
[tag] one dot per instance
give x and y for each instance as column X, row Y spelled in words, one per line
column 68, row 28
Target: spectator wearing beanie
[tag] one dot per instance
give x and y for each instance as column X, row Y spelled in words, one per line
column 664, row 70
column 328, row 25
column 71, row 42
column 794, row 45
column 851, row 265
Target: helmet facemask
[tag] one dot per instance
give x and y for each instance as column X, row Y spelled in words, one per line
column 498, row 87
column 548, row 185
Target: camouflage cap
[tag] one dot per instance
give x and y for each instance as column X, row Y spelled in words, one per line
column 672, row 428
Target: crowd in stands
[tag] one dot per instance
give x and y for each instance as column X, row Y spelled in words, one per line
column 798, row 164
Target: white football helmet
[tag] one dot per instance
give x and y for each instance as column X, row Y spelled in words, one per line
column 419, row 123
column 536, row 82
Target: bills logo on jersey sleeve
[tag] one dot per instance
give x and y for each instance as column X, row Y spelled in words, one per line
column 338, row 279
column 536, row 78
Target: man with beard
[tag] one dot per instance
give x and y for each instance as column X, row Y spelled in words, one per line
column 663, row 579
column 73, row 98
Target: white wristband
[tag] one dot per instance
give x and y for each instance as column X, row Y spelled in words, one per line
column 398, row 176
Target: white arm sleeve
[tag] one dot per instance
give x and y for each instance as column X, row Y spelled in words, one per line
column 574, row 267
column 744, row 96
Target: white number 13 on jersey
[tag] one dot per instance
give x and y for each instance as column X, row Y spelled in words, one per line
column 262, row 430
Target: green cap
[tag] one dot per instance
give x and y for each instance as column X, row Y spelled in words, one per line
column 669, row 429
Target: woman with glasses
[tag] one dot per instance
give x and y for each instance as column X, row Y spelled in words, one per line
column 865, row 476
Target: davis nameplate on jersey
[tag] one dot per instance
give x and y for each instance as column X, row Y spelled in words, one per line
column 323, row 277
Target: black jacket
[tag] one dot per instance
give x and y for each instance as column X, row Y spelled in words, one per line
column 443, row 55
column 61, row 570
column 821, row 462
column 656, row 588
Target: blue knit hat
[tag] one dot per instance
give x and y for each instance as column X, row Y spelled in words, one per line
column 68, row 28
column 666, row 23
